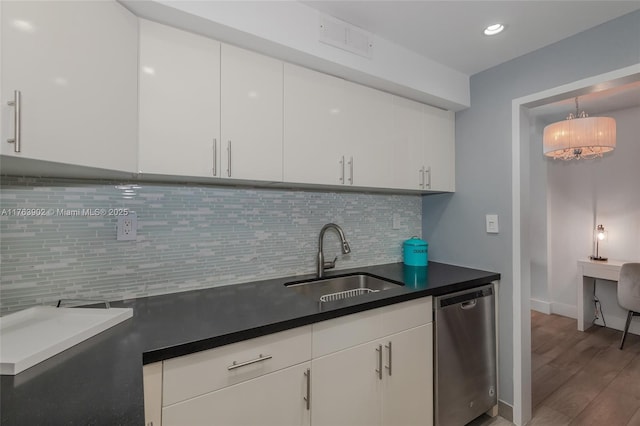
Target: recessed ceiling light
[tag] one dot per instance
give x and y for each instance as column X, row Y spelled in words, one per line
column 493, row 29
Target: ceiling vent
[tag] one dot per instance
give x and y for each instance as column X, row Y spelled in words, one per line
column 337, row 33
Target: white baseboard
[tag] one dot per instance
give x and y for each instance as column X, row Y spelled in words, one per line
column 570, row 311
column 618, row 323
column 541, row 306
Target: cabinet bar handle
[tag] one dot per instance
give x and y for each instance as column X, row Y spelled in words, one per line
column 307, row 399
column 379, row 369
column 215, row 156
column 229, row 159
column 351, row 171
column 342, row 167
column 16, row 103
column 428, row 172
column 253, row 361
column 421, row 184
column 390, row 352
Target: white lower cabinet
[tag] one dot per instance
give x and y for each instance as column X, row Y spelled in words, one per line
column 373, row 368
column 276, row 399
column 386, row 382
column 406, row 400
column 345, row 388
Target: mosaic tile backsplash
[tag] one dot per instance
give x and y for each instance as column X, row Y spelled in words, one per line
column 58, row 236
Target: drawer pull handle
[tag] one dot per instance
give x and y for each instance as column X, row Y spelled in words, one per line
column 253, row 361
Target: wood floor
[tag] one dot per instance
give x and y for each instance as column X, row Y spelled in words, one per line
column 580, row 378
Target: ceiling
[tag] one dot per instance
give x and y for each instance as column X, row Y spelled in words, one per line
column 593, row 103
column 450, row 32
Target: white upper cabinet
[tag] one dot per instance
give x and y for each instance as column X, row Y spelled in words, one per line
column 368, row 134
column 315, row 143
column 423, row 138
column 73, row 66
column 335, row 132
column 408, row 140
column 179, row 102
column 251, row 116
column 440, row 149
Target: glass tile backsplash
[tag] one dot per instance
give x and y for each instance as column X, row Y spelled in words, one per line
column 58, row 236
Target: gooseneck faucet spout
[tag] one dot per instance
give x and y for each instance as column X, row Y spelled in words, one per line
column 321, row 264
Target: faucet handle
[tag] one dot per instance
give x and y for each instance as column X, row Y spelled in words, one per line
column 330, row 265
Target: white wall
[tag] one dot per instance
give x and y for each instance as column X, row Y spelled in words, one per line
column 583, row 194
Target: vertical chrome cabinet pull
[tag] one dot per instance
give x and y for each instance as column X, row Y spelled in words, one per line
column 379, row 369
column 428, row 172
column 215, row 157
column 351, row 171
column 342, row 168
column 229, row 159
column 307, row 399
column 16, row 103
column 421, row 184
column 388, row 367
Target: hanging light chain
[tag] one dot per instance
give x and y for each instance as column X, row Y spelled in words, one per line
column 578, row 114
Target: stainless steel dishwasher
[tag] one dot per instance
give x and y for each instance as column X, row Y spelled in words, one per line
column 464, row 355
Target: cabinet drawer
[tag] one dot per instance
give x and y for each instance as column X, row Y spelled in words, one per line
column 406, row 315
column 351, row 330
column 275, row 399
column 196, row 374
column 344, row 332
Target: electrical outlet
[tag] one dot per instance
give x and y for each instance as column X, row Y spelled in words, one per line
column 127, row 227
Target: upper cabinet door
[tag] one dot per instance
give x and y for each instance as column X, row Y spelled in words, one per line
column 251, row 115
column 440, row 149
column 369, row 118
column 408, row 142
column 74, row 66
column 179, row 102
column 315, row 142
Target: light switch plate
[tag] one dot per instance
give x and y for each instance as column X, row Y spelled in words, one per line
column 492, row 224
column 396, row 221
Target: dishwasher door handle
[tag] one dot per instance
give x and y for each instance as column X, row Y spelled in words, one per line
column 470, row 304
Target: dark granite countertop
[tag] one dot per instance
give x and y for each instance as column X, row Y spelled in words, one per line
column 99, row 382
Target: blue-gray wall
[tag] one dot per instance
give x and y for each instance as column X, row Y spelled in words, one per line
column 189, row 236
column 454, row 225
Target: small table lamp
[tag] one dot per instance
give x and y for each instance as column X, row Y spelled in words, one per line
column 600, row 235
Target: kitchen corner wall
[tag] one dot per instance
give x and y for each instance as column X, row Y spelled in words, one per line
column 189, row 237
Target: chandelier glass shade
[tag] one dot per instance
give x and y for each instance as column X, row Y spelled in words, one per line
column 579, row 136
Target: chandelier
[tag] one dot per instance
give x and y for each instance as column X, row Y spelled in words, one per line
column 579, row 136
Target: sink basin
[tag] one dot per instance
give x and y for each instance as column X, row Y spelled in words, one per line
column 341, row 287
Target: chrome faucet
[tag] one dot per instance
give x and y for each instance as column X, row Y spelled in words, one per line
column 322, row 265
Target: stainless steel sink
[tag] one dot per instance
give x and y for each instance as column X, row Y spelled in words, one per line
column 342, row 287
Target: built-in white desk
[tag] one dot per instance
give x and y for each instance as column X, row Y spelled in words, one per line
column 590, row 270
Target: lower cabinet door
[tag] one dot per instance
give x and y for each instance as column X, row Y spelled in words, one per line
column 346, row 389
column 275, row 399
column 408, row 389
